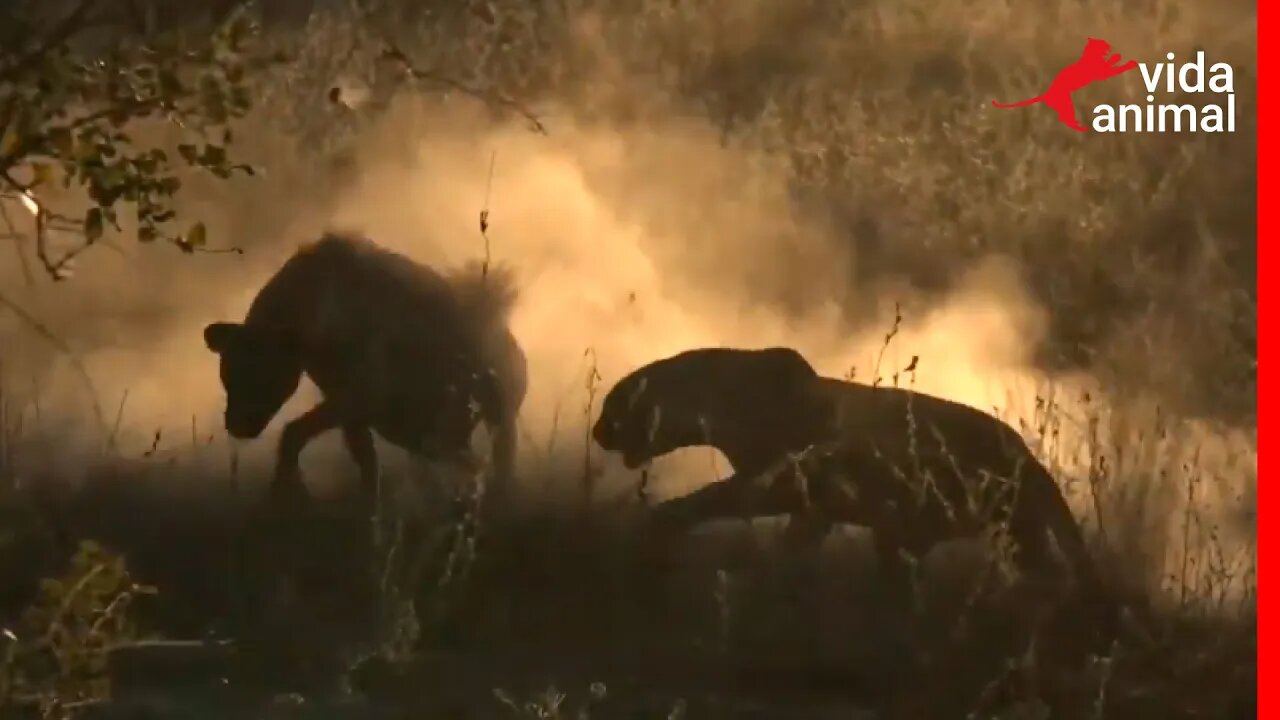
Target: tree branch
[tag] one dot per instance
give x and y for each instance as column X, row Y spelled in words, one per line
column 61, row 32
column 490, row 97
column 74, row 115
column 57, row 343
column 45, row 220
column 17, row 237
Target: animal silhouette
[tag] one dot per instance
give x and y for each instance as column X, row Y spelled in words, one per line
column 394, row 347
column 916, row 469
column 1094, row 65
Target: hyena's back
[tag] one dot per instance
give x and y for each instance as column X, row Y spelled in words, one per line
column 385, row 335
column 343, row 286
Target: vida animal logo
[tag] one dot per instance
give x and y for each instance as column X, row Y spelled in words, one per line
column 1098, row 63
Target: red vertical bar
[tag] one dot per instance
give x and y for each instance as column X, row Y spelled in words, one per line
column 1268, row 704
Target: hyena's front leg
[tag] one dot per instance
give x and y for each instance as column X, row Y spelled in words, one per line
column 359, row 441
column 295, row 436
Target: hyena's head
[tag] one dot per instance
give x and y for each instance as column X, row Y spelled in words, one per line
column 726, row 398
column 260, row 369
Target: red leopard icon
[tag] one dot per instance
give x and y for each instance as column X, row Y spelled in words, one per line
column 1094, row 65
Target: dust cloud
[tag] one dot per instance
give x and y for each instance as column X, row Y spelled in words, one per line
column 629, row 243
column 632, row 247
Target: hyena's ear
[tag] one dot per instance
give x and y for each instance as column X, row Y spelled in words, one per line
column 221, row 336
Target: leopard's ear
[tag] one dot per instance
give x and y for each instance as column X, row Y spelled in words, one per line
column 792, row 390
column 785, row 379
column 786, row 367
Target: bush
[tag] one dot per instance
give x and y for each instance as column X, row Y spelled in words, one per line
column 56, row 659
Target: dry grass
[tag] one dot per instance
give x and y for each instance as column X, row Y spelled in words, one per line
column 432, row 610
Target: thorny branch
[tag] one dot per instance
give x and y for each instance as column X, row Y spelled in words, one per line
column 70, row 26
column 11, row 233
column 491, row 97
column 57, row 343
column 45, row 220
column 63, row 114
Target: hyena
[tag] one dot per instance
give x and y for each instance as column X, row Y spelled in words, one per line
column 394, row 347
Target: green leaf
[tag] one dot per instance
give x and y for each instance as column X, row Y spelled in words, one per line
column 41, row 173
column 196, row 236
column 214, row 155
column 118, row 117
column 170, row 86
column 62, row 142
column 8, row 142
column 113, row 176
column 93, row 224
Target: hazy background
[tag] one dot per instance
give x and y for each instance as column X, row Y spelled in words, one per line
column 744, row 173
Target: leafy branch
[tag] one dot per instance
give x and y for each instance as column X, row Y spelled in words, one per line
column 71, row 118
column 57, row 660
